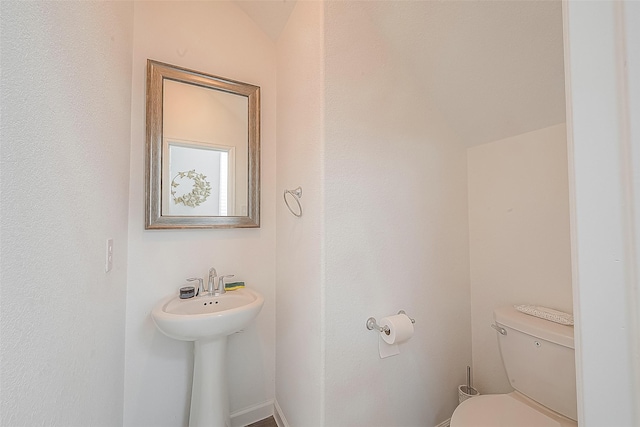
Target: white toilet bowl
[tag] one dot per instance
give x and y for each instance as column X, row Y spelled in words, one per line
column 539, row 359
column 506, row 410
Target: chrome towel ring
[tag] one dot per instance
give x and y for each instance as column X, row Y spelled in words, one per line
column 296, row 194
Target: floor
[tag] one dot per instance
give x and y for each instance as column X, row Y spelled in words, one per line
column 267, row 422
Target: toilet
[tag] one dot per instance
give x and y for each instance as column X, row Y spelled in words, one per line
column 538, row 356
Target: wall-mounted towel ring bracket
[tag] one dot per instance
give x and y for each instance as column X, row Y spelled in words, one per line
column 296, row 194
column 373, row 324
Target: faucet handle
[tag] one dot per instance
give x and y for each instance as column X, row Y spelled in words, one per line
column 200, row 287
column 221, row 288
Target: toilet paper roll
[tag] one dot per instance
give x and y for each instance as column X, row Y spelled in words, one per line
column 400, row 328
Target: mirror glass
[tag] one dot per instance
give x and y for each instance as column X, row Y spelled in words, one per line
column 202, row 150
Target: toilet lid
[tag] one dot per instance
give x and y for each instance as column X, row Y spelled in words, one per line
column 505, row 410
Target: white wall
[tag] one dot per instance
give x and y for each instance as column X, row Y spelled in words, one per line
column 631, row 13
column 602, row 60
column 66, row 111
column 300, row 323
column 519, row 240
column 216, row 38
column 396, row 228
column 384, row 228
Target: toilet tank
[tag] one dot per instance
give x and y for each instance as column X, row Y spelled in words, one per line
column 539, row 358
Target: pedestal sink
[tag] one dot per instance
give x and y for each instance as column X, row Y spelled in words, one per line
column 208, row 320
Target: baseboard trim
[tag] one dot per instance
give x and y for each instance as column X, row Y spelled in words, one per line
column 279, row 416
column 445, row 423
column 252, row 414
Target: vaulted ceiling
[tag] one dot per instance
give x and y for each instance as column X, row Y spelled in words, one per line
column 494, row 69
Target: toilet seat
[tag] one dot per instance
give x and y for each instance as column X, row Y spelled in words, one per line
column 506, row 410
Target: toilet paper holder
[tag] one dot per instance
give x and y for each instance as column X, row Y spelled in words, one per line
column 373, row 324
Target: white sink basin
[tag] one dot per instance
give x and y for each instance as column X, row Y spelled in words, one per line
column 205, row 317
column 207, row 321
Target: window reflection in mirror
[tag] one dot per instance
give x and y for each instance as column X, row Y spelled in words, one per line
column 202, row 179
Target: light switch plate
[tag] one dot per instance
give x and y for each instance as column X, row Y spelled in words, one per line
column 109, row 260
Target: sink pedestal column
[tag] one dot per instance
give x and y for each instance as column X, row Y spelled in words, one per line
column 209, row 399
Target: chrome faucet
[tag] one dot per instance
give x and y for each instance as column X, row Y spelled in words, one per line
column 211, row 289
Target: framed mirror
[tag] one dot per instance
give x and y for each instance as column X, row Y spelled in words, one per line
column 203, row 150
